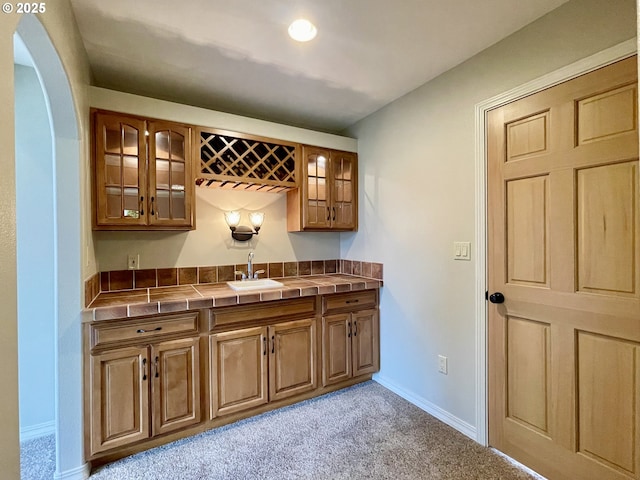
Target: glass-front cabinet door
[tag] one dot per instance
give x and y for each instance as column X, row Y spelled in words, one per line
column 120, row 170
column 317, row 209
column 142, row 174
column 343, row 209
column 169, row 168
column 329, row 190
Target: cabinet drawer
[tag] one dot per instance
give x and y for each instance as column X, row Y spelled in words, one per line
column 262, row 311
column 350, row 301
column 127, row 331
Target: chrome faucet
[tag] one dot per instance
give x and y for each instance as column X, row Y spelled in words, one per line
column 250, row 275
column 250, row 266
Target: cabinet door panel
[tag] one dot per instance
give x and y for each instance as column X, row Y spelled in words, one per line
column 343, row 168
column 328, row 195
column 292, row 365
column 336, row 348
column 119, row 392
column 366, row 350
column 316, row 208
column 170, row 187
column 238, row 362
column 120, row 165
column 176, row 384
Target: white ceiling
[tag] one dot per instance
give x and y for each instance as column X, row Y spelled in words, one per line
column 235, row 55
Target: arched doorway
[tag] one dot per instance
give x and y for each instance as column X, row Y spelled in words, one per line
column 35, row 269
column 67, row 271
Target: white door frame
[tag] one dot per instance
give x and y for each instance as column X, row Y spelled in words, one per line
column 586, row 65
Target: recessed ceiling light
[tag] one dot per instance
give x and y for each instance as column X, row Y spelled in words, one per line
column 302, row 30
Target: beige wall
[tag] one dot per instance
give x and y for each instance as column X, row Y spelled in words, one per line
column 61, row 29
column 9, row 443
column 151, row 107
column 417, row 172
column 211, row 243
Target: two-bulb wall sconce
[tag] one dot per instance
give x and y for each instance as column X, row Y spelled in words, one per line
column 243, row 233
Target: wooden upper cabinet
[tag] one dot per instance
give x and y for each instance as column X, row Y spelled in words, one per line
column 170, row 176
column 119, row 170
column 142, row 174
column 327, row 196
column 344, row 214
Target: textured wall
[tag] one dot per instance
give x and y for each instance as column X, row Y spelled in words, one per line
column 9, row 446
column 417, row 167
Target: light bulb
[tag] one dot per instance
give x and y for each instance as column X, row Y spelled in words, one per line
column 256, row 219
column 302, row 30
column 232, row 218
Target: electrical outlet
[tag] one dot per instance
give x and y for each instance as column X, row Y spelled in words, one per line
column 443, row 366
column 133, row 261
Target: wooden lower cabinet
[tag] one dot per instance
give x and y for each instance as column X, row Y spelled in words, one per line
column 292, row 365
column 175, row 385
column 365, row 348
column 336, row 348
column 244, row 362
column 141, row 391
column 119, row 398
column 238, row 370
column 148, row 380
column 349, row 345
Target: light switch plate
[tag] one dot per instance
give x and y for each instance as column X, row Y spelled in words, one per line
column 443, row 364
column 462, row 250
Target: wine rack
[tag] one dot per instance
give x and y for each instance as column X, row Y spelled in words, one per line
column 231, row 160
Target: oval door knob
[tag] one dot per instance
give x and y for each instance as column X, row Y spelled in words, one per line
column 496, row 297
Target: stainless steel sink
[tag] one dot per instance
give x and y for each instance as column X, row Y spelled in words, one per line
column 257, row 284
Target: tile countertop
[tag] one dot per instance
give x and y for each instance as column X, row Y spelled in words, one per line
column 150, row 301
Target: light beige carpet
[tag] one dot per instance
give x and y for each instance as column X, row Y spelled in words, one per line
column 361, row 432
column 38, row 458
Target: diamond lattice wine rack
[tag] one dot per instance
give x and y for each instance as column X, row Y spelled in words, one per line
column 237, row 161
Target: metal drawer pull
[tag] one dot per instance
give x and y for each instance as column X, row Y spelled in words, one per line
column 157, row 375
column 355, row 328
column 142, row 330
column 144, row 365
column 264, row 341
column 273, row 343
column 349, row 334
column 352, row 301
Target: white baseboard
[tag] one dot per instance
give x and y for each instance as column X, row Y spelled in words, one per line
column 441, row 414
column 37, row 431
column 80, row 473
